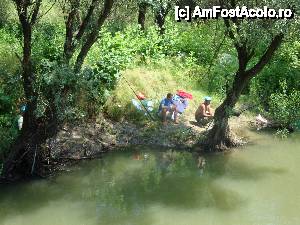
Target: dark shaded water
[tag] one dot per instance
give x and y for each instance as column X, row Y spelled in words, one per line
column 258, row 185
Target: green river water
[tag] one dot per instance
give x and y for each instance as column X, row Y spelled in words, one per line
column 256, row 185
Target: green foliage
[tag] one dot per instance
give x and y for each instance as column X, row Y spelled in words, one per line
column 81, row 95
column 111, row 54
column 221, row 74
column 58, row 83
column 285, row 67
column 282, row 133
column 284, row 106
column 202, row 58
column 10, row 89
column 276, row 90
column 212, row 63
column 195, row 71
column 48, row 40
column 8, row 124
column 4, row 12
column 8, row 134
column 202, row 45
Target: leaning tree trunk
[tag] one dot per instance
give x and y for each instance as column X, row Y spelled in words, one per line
column 220, row 137
column 24, row 156
column 17, row 163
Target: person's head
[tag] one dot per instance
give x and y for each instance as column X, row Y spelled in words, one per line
column 23, row 109
column 169, row 96
column 207, row 100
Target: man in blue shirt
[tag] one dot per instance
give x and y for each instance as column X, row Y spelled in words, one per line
column 167, row 106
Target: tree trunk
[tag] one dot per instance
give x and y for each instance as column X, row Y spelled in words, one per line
column 142, row 15
column 16, row 165
column 220, row 137
column 68, row 46
column 24, row 155
column 93, row 36
column 72, row 40
column 160, row 18
column 85, row 50
column 28, row 82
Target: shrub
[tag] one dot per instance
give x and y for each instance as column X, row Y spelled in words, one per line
column 48, row 40
column 4, row 12
column 285, row 66
column 8, row 122
column 285, row 106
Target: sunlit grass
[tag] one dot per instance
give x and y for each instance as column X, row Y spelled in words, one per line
column 154, row 80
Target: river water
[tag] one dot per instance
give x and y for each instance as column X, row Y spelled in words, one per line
column 256, row 185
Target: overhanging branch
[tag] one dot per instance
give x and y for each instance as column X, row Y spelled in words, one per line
column 265, row 59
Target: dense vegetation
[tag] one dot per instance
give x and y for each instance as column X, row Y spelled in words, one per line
column 67, row 90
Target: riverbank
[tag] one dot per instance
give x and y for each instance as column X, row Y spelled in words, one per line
column 121, row 125
column 89, row 141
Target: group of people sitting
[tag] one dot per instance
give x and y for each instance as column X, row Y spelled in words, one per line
column 174, row 105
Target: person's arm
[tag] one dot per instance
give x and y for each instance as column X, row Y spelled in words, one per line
column 202, row 111
column 210, row 111
column 163, row 103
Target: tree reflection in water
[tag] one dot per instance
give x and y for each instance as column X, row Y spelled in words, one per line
column 124, row 187
column 144, row 178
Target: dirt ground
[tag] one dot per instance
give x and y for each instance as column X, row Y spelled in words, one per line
column 92, row 139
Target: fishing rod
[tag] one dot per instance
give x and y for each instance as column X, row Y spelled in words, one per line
column 149, row 114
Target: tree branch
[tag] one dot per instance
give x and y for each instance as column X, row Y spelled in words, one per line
column 93, row 35
column 265, row 59
column 47, row 11
column 69, row 45
column 230, row 33
column 105, row 13
column 35, row 12
column 86, row 20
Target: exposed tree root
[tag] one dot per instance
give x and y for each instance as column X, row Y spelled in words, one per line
column 219, row 143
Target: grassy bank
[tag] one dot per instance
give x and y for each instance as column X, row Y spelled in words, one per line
column 155, row 81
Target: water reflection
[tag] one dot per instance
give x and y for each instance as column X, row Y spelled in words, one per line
column 146, row 186
column 173, row 179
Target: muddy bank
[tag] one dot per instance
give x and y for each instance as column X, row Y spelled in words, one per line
column 91, row 140
column 87, row 141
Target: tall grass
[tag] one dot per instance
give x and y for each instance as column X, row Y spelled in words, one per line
column 154, row 81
